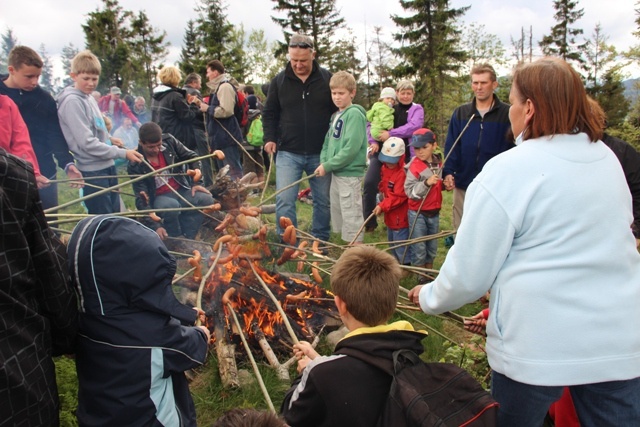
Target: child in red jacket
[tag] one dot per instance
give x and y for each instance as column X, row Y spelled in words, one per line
column 394, row 203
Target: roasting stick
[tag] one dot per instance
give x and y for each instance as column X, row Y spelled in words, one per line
column 227, row 303
column 266, row 181
column 285, row 320
column 448, row 314
column 205, row 278
column 182, row 276
column 314, row 344
column 361, row 228
column 304, row 178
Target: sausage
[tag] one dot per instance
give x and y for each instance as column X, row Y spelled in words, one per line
column 213, row 208
column 286, row 256
column 315, row 247
column 223, row 239
column 241, row 220
column 155, row 217
column 194, row 261
column 195, row 174
column 296, row 297
column 218, row 154
column 249, row 211
column 315, row 273
column 285, row 222
column 228, row 219
column 289, row 235
column 227, row 296
column 300, row 249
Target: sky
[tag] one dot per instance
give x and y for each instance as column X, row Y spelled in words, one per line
column 57, row 23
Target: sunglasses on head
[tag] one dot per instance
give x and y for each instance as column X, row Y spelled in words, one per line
column 301, row 45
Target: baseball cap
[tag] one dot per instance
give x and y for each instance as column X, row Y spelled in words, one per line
column 422, row 137
column 115, row 90
column 392, row 150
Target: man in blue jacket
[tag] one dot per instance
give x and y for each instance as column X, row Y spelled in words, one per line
column 485, row 138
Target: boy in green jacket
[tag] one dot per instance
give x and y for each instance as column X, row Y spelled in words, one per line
column 344, row 157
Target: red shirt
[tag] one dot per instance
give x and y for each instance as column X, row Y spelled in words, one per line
column 161, row 186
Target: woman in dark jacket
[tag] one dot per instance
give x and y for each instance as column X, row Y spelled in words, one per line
column 170, row 109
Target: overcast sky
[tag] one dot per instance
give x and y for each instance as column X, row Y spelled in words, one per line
column 56, row 23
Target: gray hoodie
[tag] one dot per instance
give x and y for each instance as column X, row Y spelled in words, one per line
column 85, row 131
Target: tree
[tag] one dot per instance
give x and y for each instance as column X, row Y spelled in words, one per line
column 46, row 78
column 9, row 40
column 190, row 54
column 259, row 56
column 519, row 46
column 107, row 34
column 318, row 19
column 343, row 56
column 611, row 98
column 213, row 30
column 599, row 56
column 481, row 47
column 562, row 40
column 68, row 52
column 430, row 53
column 381, row 57
column 235, row 58
column 148, row 48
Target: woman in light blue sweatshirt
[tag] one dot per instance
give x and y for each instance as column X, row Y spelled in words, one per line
column 547, row 229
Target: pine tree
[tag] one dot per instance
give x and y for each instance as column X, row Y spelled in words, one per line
column 9, row 40
column 481, row 47
column 46, row 78
column 190, row 54
column 235, row 58
column 430, row 53
column 259, row 57
column 562, row 40
column 343, row 56
column 148, row 48
column 319, row 19
column 213, row 29
column 68, row 52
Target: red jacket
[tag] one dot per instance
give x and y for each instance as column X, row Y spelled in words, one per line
column 394, row 205
column 14, row 135
column 416, row 190
column 120, row 110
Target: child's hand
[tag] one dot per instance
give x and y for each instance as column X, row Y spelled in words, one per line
column 302, row 363
column 304, row 349
column 116, row 141
column 201, row 316
column 377, row 210
column 134, row 156
column 320, row 171
column 432, row 180
column 206, row 331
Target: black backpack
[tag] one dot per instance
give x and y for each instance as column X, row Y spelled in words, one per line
column 431, row 394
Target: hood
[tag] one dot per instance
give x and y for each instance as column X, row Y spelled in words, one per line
column 68, row 93
column 213, row 84
column 118, row 264
column 357, row 107
column 161, row 91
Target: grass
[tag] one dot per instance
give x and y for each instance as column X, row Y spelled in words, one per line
column 211, row 398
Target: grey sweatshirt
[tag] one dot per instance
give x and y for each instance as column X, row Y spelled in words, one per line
column 85, row 131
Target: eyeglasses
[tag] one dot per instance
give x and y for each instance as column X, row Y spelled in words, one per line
column 301, row 45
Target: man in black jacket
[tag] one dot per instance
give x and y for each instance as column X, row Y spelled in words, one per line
column 295, row 120
column 174, row 191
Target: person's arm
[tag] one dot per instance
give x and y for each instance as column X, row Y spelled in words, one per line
column 126, row 111
column 631, row 165
column 453, row 161
column 415, row 121
column 183, row 347
column 396, row 197
column 271, row 117
column 18, row 141
column 303, row 405
column 227, row 99
column 185, row 112
column 415, row 186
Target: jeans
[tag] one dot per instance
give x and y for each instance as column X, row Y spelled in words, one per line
column 184, row 222
column 370, row 190
column 403, row 254
column 423, row 252
column 613, row 403
column 231, row 158
column 346, row 206
column 289, row 168
column 105, row 203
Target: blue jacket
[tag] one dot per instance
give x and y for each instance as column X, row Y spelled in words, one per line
column 133, row 348
column 485, row 138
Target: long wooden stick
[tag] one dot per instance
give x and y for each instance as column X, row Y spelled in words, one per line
column 285, row 319
column 205, row 278
column 286, row 187
column 362, row 228
column 266, row 181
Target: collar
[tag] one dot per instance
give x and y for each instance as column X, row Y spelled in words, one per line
column 400, row 325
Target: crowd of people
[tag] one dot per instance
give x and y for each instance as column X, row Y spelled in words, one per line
column 548, row 231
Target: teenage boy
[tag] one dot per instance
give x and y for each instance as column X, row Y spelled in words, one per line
column 423, row 187
column 344, row 156
column 39, row 112
column 341, row 390
column 84, row 128
column 170, row 189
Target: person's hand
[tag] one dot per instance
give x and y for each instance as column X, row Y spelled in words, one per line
column 449, row 182
column 117, row 142
column 270, row 147
column 134, row 156
column 302, row 363
column 206, row 331
column 414, row 295
column 432, row 180
column 162, row 233
column 199, row 189
column 201, row 316
column 384, row 135
column 476, row 324
column 145, row 197
column 377, row 210
column 304, row 349
column 320, row 171
column 42, row 182
column 74, row 173
column 203, row 107
column 373, row 149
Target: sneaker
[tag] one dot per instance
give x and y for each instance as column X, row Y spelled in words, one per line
column 449, row 241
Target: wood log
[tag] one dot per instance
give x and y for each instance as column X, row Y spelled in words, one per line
column 281, row 371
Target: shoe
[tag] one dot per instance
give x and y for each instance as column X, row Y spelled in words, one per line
column 370, row 228
column 449, row 241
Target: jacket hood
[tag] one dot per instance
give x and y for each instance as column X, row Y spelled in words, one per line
column 213, row 84
column 382, row 341
column 357, row 107
column 68, row 93
column 117, row 263
column 161, row 91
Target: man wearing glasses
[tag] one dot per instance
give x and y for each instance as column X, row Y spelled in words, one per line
column 295, row 120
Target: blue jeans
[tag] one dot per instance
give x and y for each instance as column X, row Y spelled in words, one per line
column 423, row 252
column 105, row 203
column 289, row 168
column 231, row 158
column 403, row 254
column 613, row 403
column 185, row 222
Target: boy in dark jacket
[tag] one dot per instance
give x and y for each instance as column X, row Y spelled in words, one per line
column 135, row 339
column 394, row 204
column 341, row 390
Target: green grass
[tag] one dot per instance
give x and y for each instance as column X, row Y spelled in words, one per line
column 212, row 399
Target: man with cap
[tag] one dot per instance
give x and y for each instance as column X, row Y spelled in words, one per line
column 295, row 120
column 116, row 109
column 424, row 190
column 394, row 203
